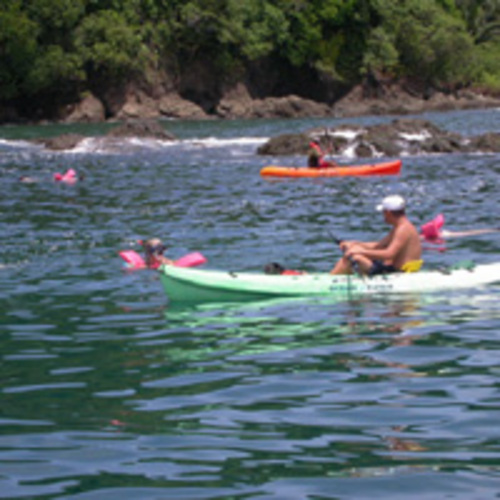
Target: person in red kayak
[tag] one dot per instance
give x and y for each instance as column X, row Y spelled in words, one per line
column 315, row 156
column 399, row 249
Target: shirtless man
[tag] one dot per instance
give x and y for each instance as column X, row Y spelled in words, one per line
column 388, row 255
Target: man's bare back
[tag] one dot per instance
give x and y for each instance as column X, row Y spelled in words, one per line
column 406, row 241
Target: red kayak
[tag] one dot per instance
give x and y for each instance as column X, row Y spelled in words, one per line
column 387, row 168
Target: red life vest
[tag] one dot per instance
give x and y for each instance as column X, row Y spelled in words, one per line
column 322, row 163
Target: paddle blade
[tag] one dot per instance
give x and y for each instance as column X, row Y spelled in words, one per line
column 132, row 259
column 191, row 260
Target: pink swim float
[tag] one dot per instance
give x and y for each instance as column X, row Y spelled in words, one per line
column 134, row 261
column 431, row 231
column 69, row 177
column 191, row 260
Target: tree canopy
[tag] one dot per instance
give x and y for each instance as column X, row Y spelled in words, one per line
column 63, row 47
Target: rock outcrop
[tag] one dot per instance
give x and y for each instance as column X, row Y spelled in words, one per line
column 141, row 128
column 400, row 137
column 61, row 142
column 172, row 105
column 88, row 110
column 129, row 129
column 398, row 99
column 237, row 103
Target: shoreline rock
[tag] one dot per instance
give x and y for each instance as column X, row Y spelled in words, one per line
column 401, row 136
column 60, row 142
column 141, row 128
column 138, row 103
column 396, row 100
column 128, row 129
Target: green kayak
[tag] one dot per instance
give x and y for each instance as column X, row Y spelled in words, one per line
column 194, row 285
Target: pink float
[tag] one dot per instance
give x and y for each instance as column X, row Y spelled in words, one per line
column 135, row 261
column 431, row 231
column 69, row 177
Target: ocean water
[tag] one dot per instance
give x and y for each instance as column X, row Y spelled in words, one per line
column 109, row 391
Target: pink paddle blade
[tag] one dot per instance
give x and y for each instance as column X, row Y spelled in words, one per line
column 133, row 259
column 191, row 260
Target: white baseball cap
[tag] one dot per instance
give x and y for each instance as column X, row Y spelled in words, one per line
column 392, row 203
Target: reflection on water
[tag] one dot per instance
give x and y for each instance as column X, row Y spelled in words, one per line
column 203, row 399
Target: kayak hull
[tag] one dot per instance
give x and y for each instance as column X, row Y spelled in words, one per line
column 387, row 168
column 192, row 285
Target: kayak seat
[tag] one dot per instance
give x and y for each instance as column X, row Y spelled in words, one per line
column 412, row 266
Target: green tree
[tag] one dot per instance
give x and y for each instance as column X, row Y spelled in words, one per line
column 434, row 45
column 426, row 40
column 482, row 18
column 254, row 28
column 56, row 19
column 18, row 49
column 108, row 46
column 54, row 70
column 381, row 55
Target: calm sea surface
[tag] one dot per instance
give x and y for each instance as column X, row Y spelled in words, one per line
column 108, row 392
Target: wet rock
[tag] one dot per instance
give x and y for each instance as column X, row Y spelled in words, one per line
column 237, row 103
column 141, row 128
column 138, row 105
column 61, row 142
column 488, row 143
column 174, row 106
column 364, row 150
column 286, row 144
column 88, row 110
column 133, row 128
column 288, row 107
column 401, row 136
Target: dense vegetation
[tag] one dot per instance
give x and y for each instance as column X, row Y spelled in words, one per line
column 57, row 49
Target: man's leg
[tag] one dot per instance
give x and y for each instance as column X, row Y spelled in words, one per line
column 344, row 266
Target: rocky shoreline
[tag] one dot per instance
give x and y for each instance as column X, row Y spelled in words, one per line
column 238, row 104
column 137, row 114
column 399, row 137
column 135, row 103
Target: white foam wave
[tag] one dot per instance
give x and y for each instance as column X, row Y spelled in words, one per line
column 17, row 143
column 221, row 142
column 347, row 134
column 422, row 136
column 107, row 145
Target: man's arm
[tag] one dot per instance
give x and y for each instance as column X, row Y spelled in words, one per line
column 386, row 249
column 383, row 243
